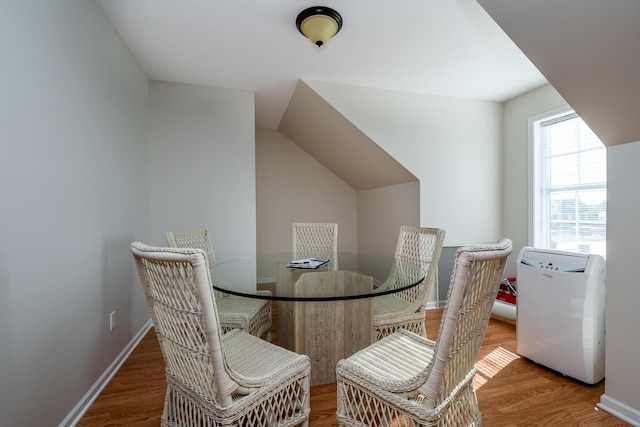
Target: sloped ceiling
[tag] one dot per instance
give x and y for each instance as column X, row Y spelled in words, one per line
column 341, row 147
column 588, row 50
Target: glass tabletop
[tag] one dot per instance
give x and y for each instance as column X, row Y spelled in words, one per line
column 345, row 276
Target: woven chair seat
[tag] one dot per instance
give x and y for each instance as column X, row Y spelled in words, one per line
column 393, row 314
column 260, row 361
column 380, row 366
column 247, row 314
column 389, row 304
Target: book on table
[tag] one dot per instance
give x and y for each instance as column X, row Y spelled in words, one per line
column 308, row 263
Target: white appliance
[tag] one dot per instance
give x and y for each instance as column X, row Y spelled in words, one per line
column 560, row 312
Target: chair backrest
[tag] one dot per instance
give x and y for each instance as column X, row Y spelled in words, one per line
column 319, row 240
column 198, row 238
column 419, row 246
column 178, row 289
column 474, row 284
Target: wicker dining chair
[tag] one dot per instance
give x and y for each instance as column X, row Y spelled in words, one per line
column 215, row 379
column 416, row 246
column 249, row 314
column 406, row 379
column 315, row 240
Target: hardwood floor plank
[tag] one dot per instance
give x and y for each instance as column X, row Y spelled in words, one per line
column 323, row 405
column 511, row 391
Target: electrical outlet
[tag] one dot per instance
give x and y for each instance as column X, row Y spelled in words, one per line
column 112, row 321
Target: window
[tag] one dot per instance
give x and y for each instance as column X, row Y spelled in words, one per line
column 569, row 185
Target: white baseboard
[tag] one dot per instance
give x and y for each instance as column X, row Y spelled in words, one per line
column 90, row 396
column 620, row 410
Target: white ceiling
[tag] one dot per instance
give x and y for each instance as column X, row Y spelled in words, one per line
column 441, row 47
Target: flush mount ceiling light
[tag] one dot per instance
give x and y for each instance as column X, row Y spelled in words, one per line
column 319, row 24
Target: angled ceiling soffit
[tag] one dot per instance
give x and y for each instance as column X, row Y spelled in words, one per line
column 589, row 54
column 335, row 142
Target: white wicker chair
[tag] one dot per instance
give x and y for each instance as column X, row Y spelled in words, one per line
column 408, row 380
column 317, row 240
column 249, row 314
column 235, row 379
column 405, row 309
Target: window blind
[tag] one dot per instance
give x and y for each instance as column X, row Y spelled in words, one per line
column 573, row 185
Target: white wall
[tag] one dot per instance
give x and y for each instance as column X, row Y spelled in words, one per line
column 73, row 184
column 622, row 382
column 453, row 146
column 515, row 206
column 381, row 213
column 202, row 165
column 294, row 187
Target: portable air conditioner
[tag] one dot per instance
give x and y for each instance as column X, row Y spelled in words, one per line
column 560, row 319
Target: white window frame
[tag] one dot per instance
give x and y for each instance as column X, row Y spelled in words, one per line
column 536, row 199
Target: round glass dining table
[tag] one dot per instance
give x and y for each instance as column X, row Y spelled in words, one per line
column 325, row 312
column 244, row 276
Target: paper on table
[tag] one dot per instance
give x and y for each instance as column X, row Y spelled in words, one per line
column 309, row 263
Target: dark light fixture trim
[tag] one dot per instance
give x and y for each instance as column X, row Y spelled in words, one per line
column 321, row 12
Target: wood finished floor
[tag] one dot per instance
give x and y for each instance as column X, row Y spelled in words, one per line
column 511, row 391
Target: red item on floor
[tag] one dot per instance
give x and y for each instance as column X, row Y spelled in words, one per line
column 507, row 292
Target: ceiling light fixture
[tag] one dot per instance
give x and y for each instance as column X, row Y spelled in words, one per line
column 319, row 24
